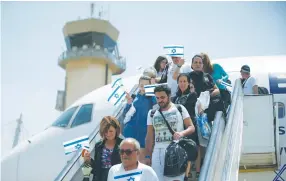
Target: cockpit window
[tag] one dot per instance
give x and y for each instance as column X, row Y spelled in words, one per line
column 64, row 118
column 83, row 116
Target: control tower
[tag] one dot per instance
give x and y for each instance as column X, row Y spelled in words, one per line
column 91, row 57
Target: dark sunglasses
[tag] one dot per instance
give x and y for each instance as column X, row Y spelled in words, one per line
column 127, row 151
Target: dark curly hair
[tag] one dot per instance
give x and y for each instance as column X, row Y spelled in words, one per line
column 163, row 88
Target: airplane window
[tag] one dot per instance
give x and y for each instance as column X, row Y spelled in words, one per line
column 83, row 115
column 281, row 110
column 64, row 118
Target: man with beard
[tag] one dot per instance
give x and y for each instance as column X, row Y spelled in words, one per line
column 157, row 125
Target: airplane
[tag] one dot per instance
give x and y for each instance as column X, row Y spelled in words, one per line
column 42, row 156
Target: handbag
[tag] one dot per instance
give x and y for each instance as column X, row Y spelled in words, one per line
column 205, row 129
column 186, row 143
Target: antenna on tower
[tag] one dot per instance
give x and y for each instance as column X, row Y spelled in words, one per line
column 17, row 131
column 108, row 11
column 100, row 12
column 91, row 9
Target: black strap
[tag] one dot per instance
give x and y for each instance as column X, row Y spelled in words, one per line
column 169, row 127
column 165, row 73
column 180, row 108
column 244, row 82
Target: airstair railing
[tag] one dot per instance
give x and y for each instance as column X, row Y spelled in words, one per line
column 223, row 153
column 64, row 174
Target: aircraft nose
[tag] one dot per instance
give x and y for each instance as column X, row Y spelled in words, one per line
column 9, row 167
column 40, row 159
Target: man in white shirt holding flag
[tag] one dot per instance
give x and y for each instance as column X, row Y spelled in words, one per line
column 131, row 169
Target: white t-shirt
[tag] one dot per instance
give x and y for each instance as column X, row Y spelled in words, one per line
column 172, row 83
column 142, row 173
column 163, row 136
column 248, row 85
column 186, row 68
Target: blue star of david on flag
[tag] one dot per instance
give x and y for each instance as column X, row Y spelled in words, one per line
column 131, row 179
column 117, row 95
column 174, row 50
column 76, row 144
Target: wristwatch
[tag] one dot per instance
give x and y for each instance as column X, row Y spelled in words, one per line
column 147, row 156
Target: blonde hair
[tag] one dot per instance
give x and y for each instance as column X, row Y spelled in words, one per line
column 150, row 72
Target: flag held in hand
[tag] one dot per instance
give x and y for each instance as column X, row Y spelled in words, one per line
column 76, row 144
column 149, row 89
column 174, row 50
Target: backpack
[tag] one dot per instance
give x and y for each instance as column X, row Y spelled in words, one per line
column 261, row 90
column 175, row 160
column 187, row 143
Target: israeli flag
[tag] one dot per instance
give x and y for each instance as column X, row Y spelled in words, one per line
column 117, row 95
column 226, row 84
column 76, row 144
column 149, row 89
column 174, row 50
column 117, row 82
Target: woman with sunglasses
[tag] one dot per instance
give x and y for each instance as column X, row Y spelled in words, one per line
column 187, row 97
column 106, row 150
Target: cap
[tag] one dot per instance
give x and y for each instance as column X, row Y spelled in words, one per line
column 245, row 68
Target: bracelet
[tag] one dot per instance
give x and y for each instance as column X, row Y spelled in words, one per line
column 147, row 156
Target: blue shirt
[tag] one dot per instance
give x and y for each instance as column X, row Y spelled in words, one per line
column 219, row 73
column 137, row 126
column 142, row 105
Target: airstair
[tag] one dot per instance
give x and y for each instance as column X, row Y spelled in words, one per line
column 230, row 151
column 244, row 145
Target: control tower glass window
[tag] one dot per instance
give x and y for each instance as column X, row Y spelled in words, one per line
column 90, row 39
column 64, row 118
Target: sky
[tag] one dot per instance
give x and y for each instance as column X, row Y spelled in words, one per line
column 32, row 40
